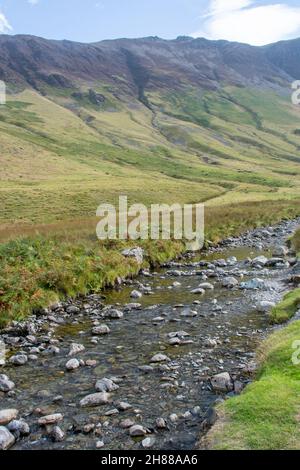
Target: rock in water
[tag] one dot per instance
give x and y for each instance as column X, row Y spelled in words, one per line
column 106, row 385
column 6, row 439
column 73, row 364
column 222, row 382
column 101, row 330
column 95, row 399
column 76, row 348
column 6, row 385
column 50, row 419
column 160, row 358
column 137, row 430
column 6, row 416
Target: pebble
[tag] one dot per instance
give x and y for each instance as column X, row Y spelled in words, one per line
column 101, row 330
column 161, row 423
column 7, row 440
column 127, row 423
column 6, row 416
column 95, row 399
column 6, row 385
column 50, row 419
column 100, row 444
column 19, row 426
column 76, row 348
column 137, row 430
column 160, row 358
column 222, row 382
column 106, row 385
column 19, row 359
column 148, row 442
column 57, row 434
column 72, row 364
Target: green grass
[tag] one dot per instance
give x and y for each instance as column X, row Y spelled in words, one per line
column 287, row 308
column 65, row 259
column 266, row 416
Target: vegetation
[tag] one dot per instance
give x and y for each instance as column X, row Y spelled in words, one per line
column 266, row 415
column 287, row 308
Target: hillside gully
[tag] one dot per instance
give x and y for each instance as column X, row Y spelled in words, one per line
column 142, row 366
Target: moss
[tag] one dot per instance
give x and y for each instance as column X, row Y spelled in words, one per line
column 287, row 308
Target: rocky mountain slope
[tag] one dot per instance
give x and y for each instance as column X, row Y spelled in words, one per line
column 193, row 119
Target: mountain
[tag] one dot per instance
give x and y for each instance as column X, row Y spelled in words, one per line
column 184, row 120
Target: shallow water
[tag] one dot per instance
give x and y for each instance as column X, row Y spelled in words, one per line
column 178, row 387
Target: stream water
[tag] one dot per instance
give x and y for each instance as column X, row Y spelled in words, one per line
column 223, row 328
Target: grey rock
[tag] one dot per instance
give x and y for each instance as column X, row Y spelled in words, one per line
column 72, row 364
column 148, row 442
column 135, row 294
column 6, row 416
column 50, row 419
column 106, row 385
column 57, row 434
column 136, row 252
column 76, row 348
column 19, row 359
column 95, row 399
column 6, row 385
column 19, row 426
column 230, row 282
column 137, row 430
column 101, row 330
column 7, row 440
column 222, row 382
column 160, row 358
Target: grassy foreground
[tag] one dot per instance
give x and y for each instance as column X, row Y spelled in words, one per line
column 65, row 261
column 266, row 416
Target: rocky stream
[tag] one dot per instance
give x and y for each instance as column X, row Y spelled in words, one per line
column 142, row 365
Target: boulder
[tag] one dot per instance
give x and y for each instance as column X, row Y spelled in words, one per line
column 6, row 438
column 222, row 383
column 95, row 399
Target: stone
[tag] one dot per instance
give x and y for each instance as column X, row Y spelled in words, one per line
column 136, row 252
column 280, row 251
column 265, row 306
column 260, row 261
column 19, row 359
column 72, row 364
column 148, row 442
column 127, row 423
column 57, row 434
column 101, row 330
column 6, row 416
column 135, row 294
column 100, row 444
column 7, row 440
column 73, row 310
column 6, row 385
column 95, row 399
column 160, row 358
column 112, row 313
column 106, row 385
column 161, row 423
column 230, row 282
column 210, row 343
column 19, row 426
column 206, row 286
column 123, row 406
column 76, row 349
column 137, row 430
column 198, row 291
column 50, row 419
column 222, row 382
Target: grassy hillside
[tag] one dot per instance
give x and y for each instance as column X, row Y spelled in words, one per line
column 62, row 155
